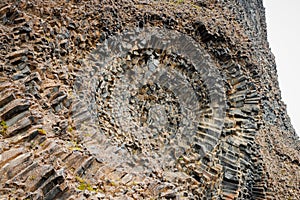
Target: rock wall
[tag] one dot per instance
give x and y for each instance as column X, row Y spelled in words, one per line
column 65, row 132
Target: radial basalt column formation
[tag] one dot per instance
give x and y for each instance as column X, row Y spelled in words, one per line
column 130, row 99
column 147, row 94
column 159, row 101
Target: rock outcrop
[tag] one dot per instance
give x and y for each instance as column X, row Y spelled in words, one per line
column 138, row 99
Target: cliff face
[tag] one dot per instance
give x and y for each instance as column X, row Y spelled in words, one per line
column 142, row 100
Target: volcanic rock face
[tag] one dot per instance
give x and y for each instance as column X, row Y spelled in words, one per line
column 142, row 100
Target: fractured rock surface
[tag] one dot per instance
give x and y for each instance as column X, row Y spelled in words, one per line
column 74, row 127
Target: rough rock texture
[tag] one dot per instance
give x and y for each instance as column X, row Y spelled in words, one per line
column 47, row 152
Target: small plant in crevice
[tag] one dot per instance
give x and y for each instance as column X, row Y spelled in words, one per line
column 83, row 185
column 42, row 131
column 3, row 128
column 180, row 1
column 75, row 146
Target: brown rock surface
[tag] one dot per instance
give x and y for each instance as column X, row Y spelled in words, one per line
column 66, row 131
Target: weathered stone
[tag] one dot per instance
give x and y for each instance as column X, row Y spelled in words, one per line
column 14, row 108
column 5, row 98
column 16, row 54
column 10, row 154
column 20, row 125
column 72, row 129
column 13, row 167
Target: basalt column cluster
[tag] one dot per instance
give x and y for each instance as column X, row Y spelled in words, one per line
column 150, row 124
